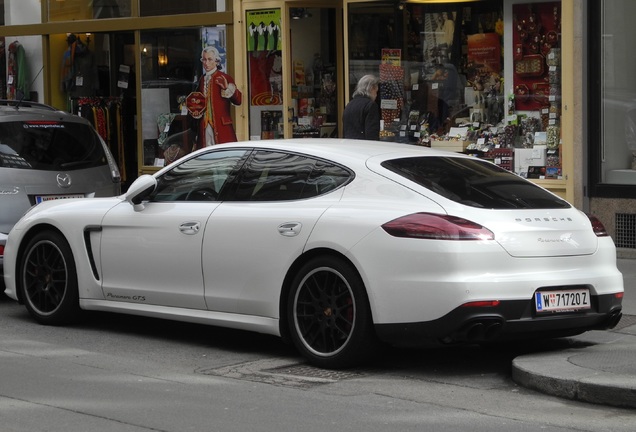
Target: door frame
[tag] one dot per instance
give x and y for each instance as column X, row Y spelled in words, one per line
column 243, row 74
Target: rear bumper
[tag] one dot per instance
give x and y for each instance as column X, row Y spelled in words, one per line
column 509, row 320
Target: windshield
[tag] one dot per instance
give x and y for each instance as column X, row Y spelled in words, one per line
column 49, row 146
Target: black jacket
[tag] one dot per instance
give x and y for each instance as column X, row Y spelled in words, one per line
column 362, row 119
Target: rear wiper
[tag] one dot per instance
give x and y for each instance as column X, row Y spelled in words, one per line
column 80, row 163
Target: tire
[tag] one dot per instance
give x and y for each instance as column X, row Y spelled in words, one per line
column 329, row 315
column 48, row 280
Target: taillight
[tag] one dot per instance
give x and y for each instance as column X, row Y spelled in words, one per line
column 483, row 303
column 437, row 227
column 597, row 227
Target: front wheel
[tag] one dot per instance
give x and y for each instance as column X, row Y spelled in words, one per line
column 48, row 279
column 329, row 314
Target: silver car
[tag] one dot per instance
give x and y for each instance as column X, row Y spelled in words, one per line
column 48, row 154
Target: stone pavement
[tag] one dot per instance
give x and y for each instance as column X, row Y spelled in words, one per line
column 602, row 369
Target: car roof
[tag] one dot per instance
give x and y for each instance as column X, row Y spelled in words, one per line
column 342, row 150
column 11, row 110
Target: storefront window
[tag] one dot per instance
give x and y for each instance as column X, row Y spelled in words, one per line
column 92, row 75
column 172, row 7
column 313, row 111
column 71, row 10
column 187, row 96
column 265, row 63
column 441, row 70
column 618, row 93
column 314, row 92
column 21, row 12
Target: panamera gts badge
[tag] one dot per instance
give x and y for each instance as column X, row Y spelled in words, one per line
column 64, row 180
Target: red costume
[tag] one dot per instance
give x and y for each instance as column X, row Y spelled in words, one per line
column 218, row 103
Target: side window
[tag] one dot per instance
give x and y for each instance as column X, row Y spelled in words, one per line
column 198, row 179
column 277, row 176
column 326, row 177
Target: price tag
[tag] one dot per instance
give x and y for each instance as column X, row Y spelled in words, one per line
column 434, row 86
column 416, row 86
column 481, row 141
column 545, row 110
column 79, row 81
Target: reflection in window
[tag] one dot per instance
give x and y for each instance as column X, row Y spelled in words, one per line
column 199, row 179
column 272, row 176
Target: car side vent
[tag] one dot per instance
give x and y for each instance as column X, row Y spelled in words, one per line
column 625, row 236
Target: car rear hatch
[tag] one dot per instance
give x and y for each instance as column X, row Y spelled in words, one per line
column 538, row 233
column 526, row 220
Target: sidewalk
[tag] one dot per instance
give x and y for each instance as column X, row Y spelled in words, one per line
column 602, row 372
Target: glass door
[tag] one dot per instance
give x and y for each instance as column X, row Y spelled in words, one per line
column 315, row 72
column 294, row 80
column 264, row 40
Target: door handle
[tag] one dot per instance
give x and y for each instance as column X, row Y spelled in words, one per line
column 290, row 229
column 190, row 228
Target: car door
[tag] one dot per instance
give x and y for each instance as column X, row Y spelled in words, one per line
column 254, row 236
column 152, row 253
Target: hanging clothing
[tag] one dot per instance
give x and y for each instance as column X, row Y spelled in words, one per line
column 18, row 85
column 105, row 114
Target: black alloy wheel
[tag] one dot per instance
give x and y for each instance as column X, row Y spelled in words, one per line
column 329, row 315
column 48, row 279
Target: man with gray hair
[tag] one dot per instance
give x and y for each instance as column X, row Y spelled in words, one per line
column 361, row 119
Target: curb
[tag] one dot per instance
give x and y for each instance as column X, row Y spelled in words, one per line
column 561, row 375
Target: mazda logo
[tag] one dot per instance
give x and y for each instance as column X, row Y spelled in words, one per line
column 64, row 180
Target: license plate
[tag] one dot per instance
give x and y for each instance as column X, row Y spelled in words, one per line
column 562, row 301
column 42, row 198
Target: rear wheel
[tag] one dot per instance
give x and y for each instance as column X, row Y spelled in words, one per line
column 329, row 315
column 48, row 279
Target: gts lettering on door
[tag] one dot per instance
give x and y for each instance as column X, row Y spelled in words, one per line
column 136, row 298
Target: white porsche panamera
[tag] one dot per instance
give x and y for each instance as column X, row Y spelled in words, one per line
column 332, row 244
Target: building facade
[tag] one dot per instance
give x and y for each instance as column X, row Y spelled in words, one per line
column 541, row 88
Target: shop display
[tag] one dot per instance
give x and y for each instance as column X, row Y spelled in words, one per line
column 447, row 76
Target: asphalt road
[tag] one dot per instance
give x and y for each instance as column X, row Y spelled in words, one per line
column 122, row 373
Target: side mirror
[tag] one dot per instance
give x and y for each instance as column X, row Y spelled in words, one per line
column 140, row 189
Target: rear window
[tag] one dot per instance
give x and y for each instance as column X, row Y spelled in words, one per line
column 49, row 146
column 474, row 183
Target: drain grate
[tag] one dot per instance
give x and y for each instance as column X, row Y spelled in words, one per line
column 313, row 372
column 281, row 372
column 625, row 236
